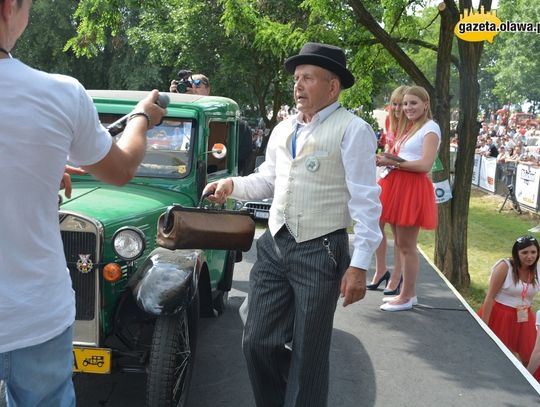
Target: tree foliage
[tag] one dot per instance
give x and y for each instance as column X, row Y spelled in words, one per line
column 241, row 45
column 516, row 78
column 41, row 45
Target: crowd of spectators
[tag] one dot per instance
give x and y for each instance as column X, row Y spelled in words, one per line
column 509, row 139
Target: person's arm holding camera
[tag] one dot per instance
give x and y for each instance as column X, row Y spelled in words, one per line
column 183, row 78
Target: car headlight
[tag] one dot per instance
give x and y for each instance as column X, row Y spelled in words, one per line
column 128, row 243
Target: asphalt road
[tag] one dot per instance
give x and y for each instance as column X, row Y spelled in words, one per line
column 434, row 355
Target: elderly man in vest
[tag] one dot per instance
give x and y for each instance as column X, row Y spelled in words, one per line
column 320, row 171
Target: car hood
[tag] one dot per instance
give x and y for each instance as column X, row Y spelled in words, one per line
column 112, row 204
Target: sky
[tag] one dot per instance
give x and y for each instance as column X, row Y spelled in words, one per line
column 494, row 3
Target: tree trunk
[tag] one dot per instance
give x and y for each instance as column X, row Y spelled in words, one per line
column 443, row 254
column 467, row 134
column 452, row 257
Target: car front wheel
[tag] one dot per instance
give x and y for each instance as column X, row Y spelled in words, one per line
column 171, row 358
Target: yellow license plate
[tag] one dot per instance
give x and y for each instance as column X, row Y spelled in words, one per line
column 91, row 360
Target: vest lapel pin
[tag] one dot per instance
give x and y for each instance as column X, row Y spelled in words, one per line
column 312, row 164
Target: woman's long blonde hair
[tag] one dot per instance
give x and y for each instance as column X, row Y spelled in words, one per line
column 397, row 97
column 405, row 127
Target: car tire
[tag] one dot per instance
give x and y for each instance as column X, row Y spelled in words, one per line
column 222, row 298
column 172, row 357
column 221, row 301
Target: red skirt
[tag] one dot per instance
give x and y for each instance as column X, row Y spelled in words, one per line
column 519, row 337
column 408, row 199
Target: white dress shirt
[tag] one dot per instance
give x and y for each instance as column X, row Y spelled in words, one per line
column 358, row 155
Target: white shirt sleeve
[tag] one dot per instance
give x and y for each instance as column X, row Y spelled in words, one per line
column 358, row 154
column 260, row 184
column 91, row 141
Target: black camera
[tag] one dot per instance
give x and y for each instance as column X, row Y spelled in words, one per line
column 183, row 81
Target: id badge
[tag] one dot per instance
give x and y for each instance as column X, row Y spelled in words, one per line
column 522, row 314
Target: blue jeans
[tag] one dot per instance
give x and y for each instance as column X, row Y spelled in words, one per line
column 40, row 375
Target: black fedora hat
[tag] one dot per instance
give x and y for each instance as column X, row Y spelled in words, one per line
column 326, row 56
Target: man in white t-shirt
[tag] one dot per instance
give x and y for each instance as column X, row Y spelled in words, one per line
column 46, row 119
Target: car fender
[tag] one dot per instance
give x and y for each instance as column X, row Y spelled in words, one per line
column 167, row 280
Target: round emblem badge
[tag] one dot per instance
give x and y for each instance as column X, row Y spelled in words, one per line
column 84, row 264
column 312, row 164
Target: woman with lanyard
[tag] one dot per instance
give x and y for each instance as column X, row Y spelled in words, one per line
column 394, row 280
column 507, row 307
column 407, row 197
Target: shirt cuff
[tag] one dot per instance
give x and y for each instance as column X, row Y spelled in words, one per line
column 361, row 259
column 238, row 189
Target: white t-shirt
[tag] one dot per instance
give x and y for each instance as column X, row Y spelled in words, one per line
column 44, row 119
column 411, row 149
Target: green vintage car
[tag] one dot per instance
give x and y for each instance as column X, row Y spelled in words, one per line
column 137, row 305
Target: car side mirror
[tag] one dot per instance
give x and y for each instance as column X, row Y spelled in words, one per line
column 219, row 151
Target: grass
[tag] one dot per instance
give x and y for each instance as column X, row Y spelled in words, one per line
column 490, row 236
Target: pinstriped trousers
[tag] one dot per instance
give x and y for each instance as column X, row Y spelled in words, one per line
column 294, row 288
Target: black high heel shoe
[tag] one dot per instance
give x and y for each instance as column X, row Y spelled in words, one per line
column 396, row 291
column 374, row 286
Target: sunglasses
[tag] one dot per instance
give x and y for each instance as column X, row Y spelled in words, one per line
column 199, row 82
column 524, row 239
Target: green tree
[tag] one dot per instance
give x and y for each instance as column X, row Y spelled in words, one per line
column 196, row 35
column 41, row 45
column 516, row 69
column 489, row 101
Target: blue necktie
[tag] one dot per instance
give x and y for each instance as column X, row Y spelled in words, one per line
column 294, row 141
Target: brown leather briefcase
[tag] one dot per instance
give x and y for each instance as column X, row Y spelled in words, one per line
column 202, row 228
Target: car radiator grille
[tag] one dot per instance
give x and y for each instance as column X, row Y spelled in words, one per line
column 251, row 206
column 76, row 243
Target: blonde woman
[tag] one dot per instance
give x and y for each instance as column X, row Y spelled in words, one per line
column 393, row 281
column 407, row 195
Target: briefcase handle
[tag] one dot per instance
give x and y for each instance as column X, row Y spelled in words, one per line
column 203, row 197
column 167, row 218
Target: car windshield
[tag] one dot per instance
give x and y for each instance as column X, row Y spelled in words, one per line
column 168, row 149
